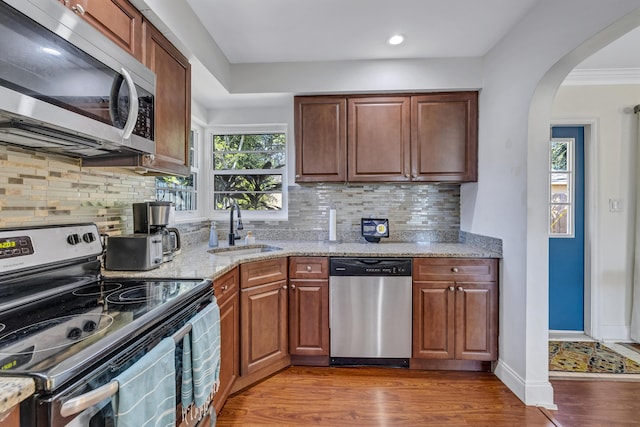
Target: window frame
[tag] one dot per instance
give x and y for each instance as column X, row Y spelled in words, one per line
column 570, row 203
column 249, row 129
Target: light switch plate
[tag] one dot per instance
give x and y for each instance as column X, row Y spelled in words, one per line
column 616, row 205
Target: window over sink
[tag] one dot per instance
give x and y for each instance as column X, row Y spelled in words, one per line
column 249, row 167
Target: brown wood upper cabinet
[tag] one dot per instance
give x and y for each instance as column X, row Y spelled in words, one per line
column 378, row 147
column 321, row 138
column 444, row 137
column 116, row 19
column 390, row 138
column 172, row 104
column 123, row 24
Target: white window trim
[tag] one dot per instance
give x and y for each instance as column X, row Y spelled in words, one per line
column 572, row 190
column 282, row 215
column 200, row 214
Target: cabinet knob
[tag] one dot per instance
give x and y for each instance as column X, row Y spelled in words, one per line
column 78, row 9
column 308, row 268
column 455, row 269
column 225, row 287
column 451, row 288
column 297, row 176
column 406, row 175
column 284, row 286
column 460, row 288
column 293, row 287
column 415, row 175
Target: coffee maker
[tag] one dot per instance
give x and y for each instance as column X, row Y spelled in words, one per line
column 153, row 218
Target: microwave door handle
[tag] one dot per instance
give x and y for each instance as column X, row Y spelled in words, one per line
column 87, row 400
column 132, row 117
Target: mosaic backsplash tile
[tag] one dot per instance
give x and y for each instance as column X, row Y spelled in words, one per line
column 38, row 189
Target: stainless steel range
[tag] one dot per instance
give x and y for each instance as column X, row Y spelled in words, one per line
column 74, row 331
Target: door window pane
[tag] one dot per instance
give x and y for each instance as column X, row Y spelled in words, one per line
column 561, row 177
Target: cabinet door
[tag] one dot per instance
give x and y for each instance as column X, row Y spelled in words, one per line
column 379, row 139
column 321, row 139
column 476, row 320
column 309, row 317
column 263, row 326
column 433, row 320
column 116, row 19
column 172, row 104
column 229, row 348
column 444, row 137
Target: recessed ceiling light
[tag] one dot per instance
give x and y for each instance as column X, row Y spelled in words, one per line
column 51, row 51
column 396, row 39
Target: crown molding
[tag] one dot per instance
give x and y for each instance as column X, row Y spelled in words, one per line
column 603, row 76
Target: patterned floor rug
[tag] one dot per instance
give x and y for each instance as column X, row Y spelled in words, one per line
column 588, row 357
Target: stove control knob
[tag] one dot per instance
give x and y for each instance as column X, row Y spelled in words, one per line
column 73, row 239
column 89, row 237
column 89, row 326
column 74, row 333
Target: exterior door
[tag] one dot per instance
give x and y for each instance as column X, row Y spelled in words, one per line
column 566, row 228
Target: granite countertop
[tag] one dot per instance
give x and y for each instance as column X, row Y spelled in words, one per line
column 200, row 261
column 13, row 391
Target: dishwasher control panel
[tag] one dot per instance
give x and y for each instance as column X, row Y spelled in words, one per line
column 370, row 267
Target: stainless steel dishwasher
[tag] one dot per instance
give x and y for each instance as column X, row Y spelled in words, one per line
column 370, row 311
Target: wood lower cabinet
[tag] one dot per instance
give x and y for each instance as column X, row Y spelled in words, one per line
column 309, row 310
column 116, row 19
column 455, row 311
column 226, row 291
column 11, row 418
column 263, row 320
column 378, row 142
column 321, row 138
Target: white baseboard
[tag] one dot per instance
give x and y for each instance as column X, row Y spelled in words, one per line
column 532, row 393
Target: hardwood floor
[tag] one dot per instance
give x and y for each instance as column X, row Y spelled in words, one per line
column 304, row 396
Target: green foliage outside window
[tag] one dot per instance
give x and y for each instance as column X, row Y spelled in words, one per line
column 249, row 169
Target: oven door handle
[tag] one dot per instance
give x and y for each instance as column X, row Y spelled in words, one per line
column 87, row 400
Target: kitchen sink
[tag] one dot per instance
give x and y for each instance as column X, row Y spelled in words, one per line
column 233, row 251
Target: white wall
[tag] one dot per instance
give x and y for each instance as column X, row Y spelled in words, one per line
column 611, row 107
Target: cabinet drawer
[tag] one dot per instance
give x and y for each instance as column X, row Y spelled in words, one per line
column 474, row 269
column 309, row 268
column 261, row 272
column 225, row 286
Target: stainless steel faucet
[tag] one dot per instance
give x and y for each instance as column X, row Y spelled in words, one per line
column 232, row 235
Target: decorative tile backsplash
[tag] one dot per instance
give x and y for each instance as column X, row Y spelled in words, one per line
column 416, row 212
column 38, row 189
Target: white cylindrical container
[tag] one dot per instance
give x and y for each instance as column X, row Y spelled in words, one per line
column 332, row 225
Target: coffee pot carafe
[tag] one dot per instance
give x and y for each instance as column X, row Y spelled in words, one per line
column 153, row 218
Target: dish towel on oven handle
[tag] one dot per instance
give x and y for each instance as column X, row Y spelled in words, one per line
column 201, row 360
column 147, row 390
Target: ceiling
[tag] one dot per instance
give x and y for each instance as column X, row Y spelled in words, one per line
column 266, row 31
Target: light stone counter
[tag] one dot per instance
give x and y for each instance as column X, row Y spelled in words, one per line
column 199, row 261
column 13, row 391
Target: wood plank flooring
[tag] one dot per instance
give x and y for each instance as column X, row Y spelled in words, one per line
column 345, row 396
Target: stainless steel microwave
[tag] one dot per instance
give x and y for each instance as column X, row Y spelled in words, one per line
column 67, row 89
